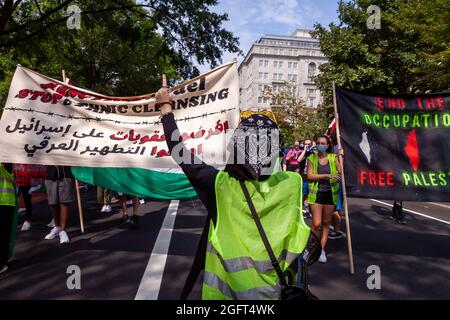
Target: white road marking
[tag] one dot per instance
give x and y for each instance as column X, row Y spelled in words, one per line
column 440, row 205
column 151, row 280
column 414, row 212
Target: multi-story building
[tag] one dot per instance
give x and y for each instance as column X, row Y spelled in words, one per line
column 272, row 60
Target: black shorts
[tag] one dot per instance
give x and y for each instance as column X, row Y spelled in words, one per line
column 293, row 167
column 325, row 197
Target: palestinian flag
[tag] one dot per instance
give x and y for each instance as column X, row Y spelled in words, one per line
column 164, row 184
column 331, row 131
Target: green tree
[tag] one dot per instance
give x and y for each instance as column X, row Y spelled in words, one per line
column 122, row 47
column 410, row 53
column 295, row 120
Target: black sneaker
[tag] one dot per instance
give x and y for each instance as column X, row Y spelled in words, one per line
column 124, row 218
column 335, row 234
column 134, row 220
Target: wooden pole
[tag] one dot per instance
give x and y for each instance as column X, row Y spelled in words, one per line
column 77, row 184
column 344, row 191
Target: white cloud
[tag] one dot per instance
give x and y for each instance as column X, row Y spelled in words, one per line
column 278, row 11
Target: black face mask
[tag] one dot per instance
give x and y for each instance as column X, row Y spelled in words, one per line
column 253, row 150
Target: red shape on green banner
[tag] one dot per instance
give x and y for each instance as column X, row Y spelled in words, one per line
column 412, row 150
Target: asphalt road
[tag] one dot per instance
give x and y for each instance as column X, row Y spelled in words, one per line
column 152, row 261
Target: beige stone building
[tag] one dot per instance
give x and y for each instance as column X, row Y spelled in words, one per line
column 274, row 59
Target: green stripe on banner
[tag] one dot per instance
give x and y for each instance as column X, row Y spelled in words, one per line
column 164, row 185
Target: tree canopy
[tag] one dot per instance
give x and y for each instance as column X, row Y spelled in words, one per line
column 410, row 53
column 122, row 46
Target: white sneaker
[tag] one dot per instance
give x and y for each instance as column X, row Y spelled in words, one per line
column 63, row 237
column 103, row 208
column 106, row 208
column 34, row 189
column 22, row 210
column 142, row 201
column 53, row 234
column 4, row 269
column 26, row 226
column 323, row 257
column 51, row 224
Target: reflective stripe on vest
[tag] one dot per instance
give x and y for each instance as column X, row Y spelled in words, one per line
column 7, row 190
column 237, row 264
column 266, row 292
column 243, row 263
column 313, row 186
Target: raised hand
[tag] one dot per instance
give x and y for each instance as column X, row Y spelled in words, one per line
column 163, row 97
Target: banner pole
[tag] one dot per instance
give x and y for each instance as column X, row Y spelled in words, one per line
column 77, row 184
column 344, row 191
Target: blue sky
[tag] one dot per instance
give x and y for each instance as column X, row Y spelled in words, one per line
column 250, row 20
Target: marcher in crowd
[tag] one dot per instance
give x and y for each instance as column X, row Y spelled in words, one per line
column 292, row 158
column 307, row 151
column 123, row 199
column 104, row 197
column 223, row 245
column 324, row 171
column 335, row 227
column 60, row 185
column 22, row 180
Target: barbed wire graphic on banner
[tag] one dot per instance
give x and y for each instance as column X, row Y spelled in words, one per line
column 100, row 119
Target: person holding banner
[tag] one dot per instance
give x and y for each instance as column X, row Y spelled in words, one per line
column 22, row 178
column 324, row 171
column 123, row 199
column 232, row 239
column 59, row 184
column 7, row 214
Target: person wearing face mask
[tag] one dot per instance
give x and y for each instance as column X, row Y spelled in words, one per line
column 324, row 172
column 292, row 158
column 236, row 264
column 307, row 151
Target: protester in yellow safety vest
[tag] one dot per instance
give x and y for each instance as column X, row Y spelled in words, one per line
column 237, row 264
column 7, row 213
column 324, row 171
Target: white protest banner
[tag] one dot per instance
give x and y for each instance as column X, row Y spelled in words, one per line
column 49, row 122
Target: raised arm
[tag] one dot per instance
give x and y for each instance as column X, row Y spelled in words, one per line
column 201, row 175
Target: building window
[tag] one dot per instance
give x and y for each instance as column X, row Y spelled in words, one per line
column 262, row 100
column 263, row 63
column 277, row 76
column 290, row 65
column 311, row 101
column 294, row 65
column 311, row 71
column 266, row 75
column 311, row 92
column 260, row 75
column 292, row 77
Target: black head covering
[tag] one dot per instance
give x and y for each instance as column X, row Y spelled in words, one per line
column 254, row 148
